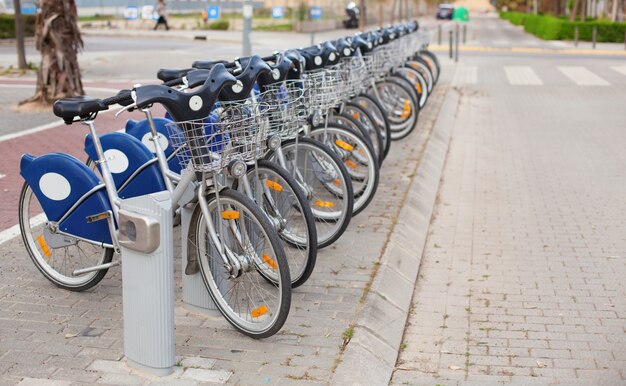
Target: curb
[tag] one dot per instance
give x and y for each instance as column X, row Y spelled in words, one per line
column 370, row 357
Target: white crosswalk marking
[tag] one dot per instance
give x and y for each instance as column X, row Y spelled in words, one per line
column 522, row 76
column 465, row 75
column 582, row 76
column 620, row 69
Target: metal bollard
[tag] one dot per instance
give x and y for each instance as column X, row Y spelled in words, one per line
column 456, row 54
column 439, row 33
column 312, row 38
column 576, row 35
column 450, row 44
column 594, row 35
column 146, row 240
column 464, row 33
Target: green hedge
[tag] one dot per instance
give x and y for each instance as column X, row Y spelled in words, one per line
column 552, row 28
column 220, row 25
column 7, row 26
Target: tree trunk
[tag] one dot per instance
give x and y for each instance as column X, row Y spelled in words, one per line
column 58, row 39
column 19, row 35
column 572, row 17
column 614, row 12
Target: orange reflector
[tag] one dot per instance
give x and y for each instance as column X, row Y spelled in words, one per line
column 343, row 145
column 269, row 261
column 259, row 311
column 418, row 86
column 406, row 111
column 274, row 185
column 351, row 164
column 337, row 182
column 43, row 245
column 324, row 204
column 230, row 214
column 355, row 115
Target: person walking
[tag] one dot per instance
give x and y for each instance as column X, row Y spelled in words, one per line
column 161, row 9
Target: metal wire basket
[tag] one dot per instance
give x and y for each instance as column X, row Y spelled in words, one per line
column 288, row 108
column 324, row 88
column 233, row 131
column 354, row 75
column 374, row 64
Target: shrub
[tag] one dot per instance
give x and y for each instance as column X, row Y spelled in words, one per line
column 553, row 28
column 7, row 26
column 275, row 27
column 220, row 25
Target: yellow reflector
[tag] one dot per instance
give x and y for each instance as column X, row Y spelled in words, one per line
column 418, row 86
column 406, row 111
column 269, row 261
column 351, row 164
column 43, row 245
column 324, row 204
column 337, row 182
column 274, row 185
column 259, row 311
column 343, row 145
column 355, row 115
column 230, row 214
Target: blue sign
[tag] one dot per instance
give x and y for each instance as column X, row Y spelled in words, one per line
column 29, row 10
column 131, row 13
column 278, row 12
column 213, row 12
column 316, row 13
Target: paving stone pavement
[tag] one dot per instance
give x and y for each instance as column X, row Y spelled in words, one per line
column 76, row 338
column 522, row 278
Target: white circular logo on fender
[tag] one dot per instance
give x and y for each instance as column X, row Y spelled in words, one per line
column 346, row 52
column 195, row 102
column 55, row 186
column 332, row 56
column 149, row 143
column 116, row 160
column 318, row 61
column 276, row 74
column 237, row 87
column 369, row 45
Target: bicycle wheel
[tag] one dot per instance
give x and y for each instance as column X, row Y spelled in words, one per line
column 433, row 63
column 422, row 67
column 58, row 262
column 346, row 120
column 253, row 305
column 414, row 81
column 359, row 158
column 370, row 104
column 324, row 180
column 402, row 108
column 366, row 120
column 282, row 200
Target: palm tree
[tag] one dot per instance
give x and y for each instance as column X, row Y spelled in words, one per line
column 19, row 35
column 58, row 39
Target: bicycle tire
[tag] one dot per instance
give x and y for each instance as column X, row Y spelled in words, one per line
column 44, row 265
column 381, row 119
column 215, row 276
column 331, row 226
column 403, row 127
column 293, row 195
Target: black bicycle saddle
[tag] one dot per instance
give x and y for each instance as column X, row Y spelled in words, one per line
column 207, row 64
column 251, row 68
column 188, row 106
column 80, row 106
column 357, row 42
column 169, row 74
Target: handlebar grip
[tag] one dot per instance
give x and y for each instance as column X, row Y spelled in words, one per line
column 123, row 98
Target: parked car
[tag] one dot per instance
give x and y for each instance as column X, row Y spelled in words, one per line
column 445, row 11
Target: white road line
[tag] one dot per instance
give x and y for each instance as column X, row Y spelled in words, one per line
column 2, row 176
column 582, row 76
column 87, row 88
column 14, row 231
column 501, row 42
column 522, row 76
column 465, row 75
column 620, row 69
